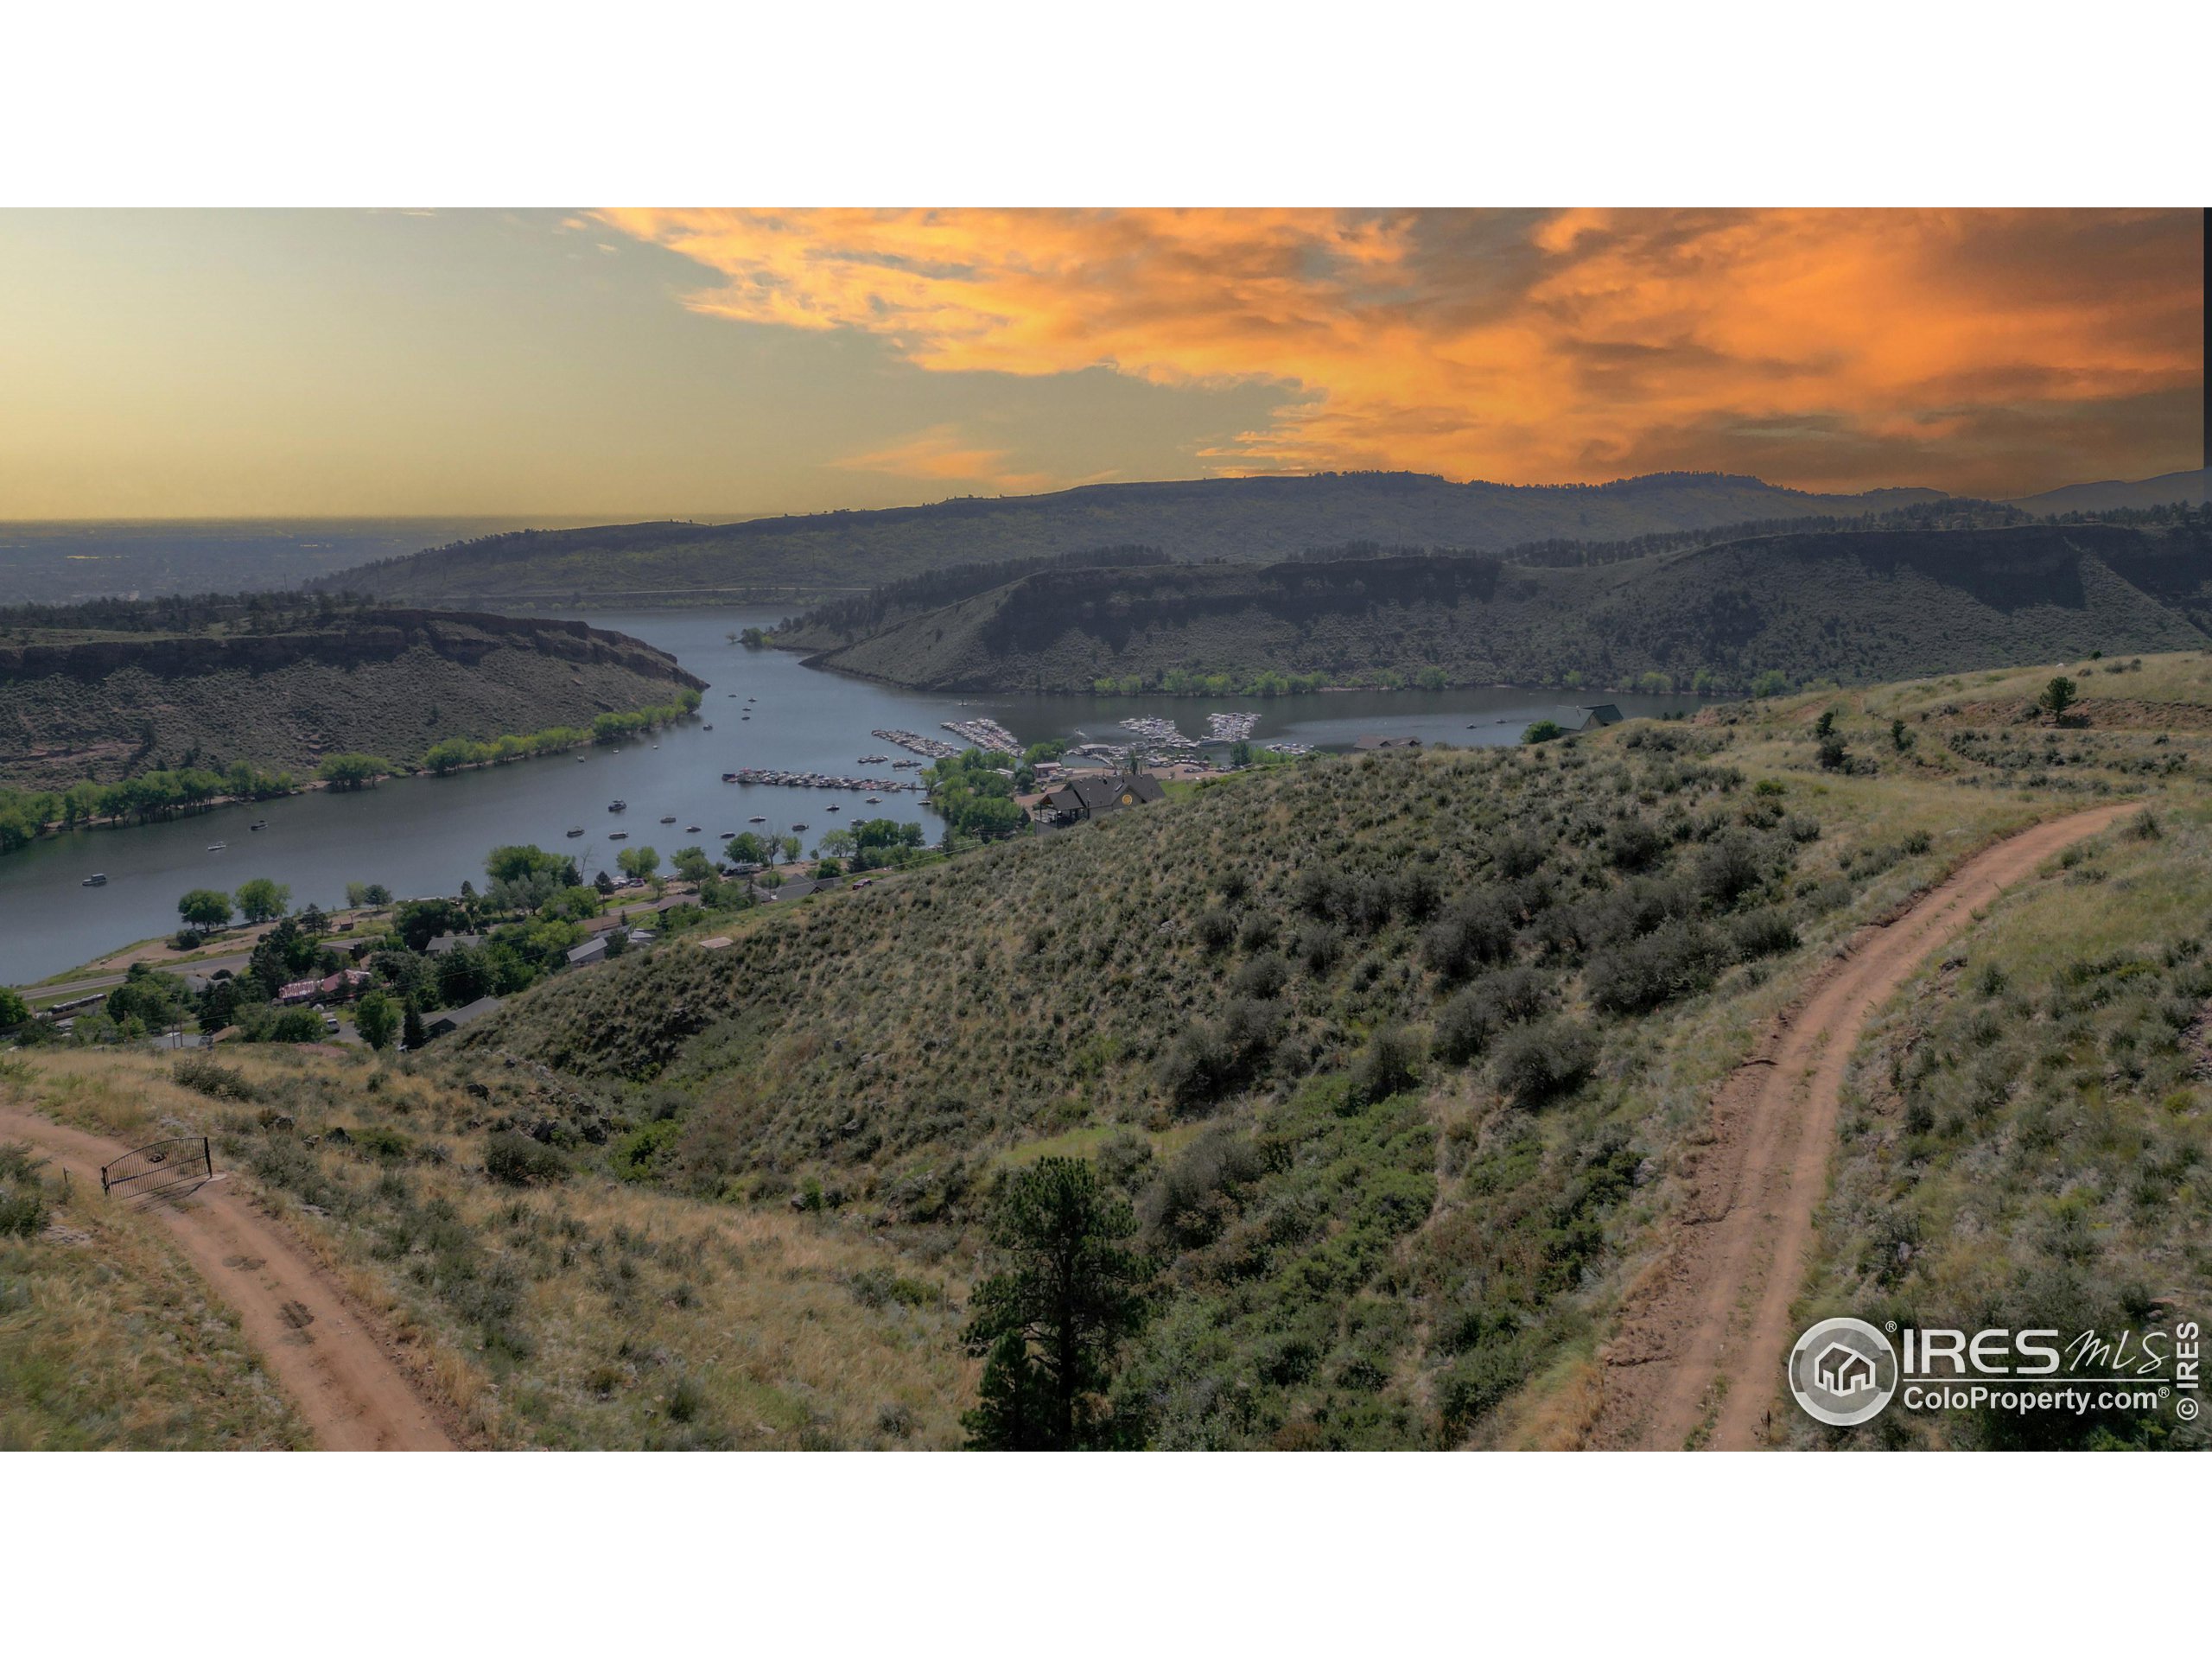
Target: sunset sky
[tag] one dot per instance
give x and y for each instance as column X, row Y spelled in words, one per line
column 719, row 363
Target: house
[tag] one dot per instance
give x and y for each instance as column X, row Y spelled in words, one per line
column 643, row 936
column 1092, row 795
column 1374, row 742
column 453, row 1019
column 1603, row 713
column 1843, row 1371
column 301, row 990
column 590, row 951
column 448, row 942
column 348, row 982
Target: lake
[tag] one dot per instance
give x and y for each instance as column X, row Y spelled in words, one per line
column 421, row 835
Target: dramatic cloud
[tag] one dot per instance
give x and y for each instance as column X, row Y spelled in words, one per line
column 1986, row 352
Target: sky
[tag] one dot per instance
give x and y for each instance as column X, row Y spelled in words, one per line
column 719, row 363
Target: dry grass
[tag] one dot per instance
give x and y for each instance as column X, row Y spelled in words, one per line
column 640, row 1318
column 108, row 1340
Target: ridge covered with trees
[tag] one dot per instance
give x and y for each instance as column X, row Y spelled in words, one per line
column 1792, row 608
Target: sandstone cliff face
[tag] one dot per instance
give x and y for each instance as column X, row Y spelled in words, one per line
column 387, row 682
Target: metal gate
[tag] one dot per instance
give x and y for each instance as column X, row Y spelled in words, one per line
column 160, row 1168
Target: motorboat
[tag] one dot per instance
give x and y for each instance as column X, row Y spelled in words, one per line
column 619, row 834
column 93, row 881
column 875, row 800
column 217, row 846
column 671, row 818
column 837, row 809
column 756, row 820
column 799, row 826
column 618, row 806
column 573, row 834
column 258, row 823
column 691, row 829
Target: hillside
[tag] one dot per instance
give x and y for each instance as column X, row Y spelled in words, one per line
column 1404, row 1063
column 82, row 698
column 1851, row 606
column 800, row 556
column 2118, row 495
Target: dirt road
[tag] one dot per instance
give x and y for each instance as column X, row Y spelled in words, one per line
column 352, row 1388
column 1703, row 1335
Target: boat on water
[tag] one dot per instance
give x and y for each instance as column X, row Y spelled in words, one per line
column 708, row 727
column 691, row 829
column 217, row 846
column 93, row 881
column 619, row 834
column 258, row 823
column 745, row 717
column 671, row 818
column 756, row 820
column 573, row 834
column 874, row 800
column 618, row 806
column 580, row 759
column 799, row 826
column 837, row 809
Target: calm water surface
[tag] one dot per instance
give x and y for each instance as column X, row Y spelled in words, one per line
column 421, row 835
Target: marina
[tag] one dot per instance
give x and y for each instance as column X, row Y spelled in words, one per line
column 424, row 835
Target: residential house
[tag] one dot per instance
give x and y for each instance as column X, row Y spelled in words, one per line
column 592, row 949
column 1094, row 794
column 449, row 942
column 453, row 1019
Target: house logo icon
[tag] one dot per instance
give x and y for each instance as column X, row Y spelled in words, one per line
column 1843, row 1372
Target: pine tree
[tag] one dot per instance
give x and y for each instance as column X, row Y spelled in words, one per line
column 410, row 1029
column 1048, row 1327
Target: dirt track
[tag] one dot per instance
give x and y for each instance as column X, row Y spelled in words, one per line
column 1704, row 1333
column 351, row 1388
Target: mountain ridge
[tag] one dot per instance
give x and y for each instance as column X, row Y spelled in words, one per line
column 1251, row 519
column 1718, row 618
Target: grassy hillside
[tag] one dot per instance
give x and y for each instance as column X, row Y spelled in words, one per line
column 107, row 1338
column 1841, row 606
column 111, row 691
column 1396, row 1059
column 799, row 557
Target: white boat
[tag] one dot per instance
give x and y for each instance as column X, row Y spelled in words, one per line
column 217, row 847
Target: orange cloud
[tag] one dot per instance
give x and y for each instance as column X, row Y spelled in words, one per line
column 941, row 453
column 1993, row 352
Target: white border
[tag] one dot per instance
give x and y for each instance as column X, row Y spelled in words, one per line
column 968, row 102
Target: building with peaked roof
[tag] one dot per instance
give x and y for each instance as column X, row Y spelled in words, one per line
column 1093, row 795
column 590, row 951
column 453, row 1019
column 447, row 942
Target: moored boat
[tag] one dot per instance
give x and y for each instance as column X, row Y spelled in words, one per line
column 93, row 881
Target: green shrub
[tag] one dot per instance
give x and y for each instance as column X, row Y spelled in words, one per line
column 22, row 1202
column 210, row 1077
column 1389, row 1065
column 518, row 1160
column 1541, row 1062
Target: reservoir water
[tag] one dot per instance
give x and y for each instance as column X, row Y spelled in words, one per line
column 421, row 835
